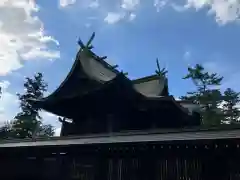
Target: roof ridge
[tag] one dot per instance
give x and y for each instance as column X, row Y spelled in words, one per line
column 146, row 78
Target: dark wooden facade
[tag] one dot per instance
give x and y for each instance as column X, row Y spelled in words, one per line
column 196, row 155
column 100, row 99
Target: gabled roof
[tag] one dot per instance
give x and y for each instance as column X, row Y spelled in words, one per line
column 151, row 85
column 91, row 74
column 83, row 75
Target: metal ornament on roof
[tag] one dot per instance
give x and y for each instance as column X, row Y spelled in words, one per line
column 89, row 47
column 160, row 72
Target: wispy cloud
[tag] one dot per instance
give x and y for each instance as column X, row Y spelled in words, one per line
column 130, row 5
column 127, row 10
column 94, row 4
column 22, row 35
column 159, row 4
column 225, row 11
column 84, row 3
column 64, row 3
column 113, row 17
column 132, row 16
column 9, row 105
column 187, row 55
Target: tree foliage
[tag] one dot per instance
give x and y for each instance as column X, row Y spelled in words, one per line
column 207, row 94
column 28, row 122
column 230, row 109
column 45, row 130
column 4, row 131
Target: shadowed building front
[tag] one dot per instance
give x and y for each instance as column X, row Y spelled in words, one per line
column 100, row 99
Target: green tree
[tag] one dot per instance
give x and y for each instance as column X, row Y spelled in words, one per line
column 28, row 122
column 5, row 130
column 206, row 94
column 230, row 109
column 45, row 130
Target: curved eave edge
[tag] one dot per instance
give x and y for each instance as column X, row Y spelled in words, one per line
column 120, row 79
column 178, row 105
column 185, row 110
column 41, row 103
column 145, row 79
column 171, row 99
column 36, row 102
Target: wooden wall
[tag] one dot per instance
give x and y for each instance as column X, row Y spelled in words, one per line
column 144, row 161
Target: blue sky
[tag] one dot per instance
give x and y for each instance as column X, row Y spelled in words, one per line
column 41, row 36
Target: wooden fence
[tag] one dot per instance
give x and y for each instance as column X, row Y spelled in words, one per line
column 142, row 163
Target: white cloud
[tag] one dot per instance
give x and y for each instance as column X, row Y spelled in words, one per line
column 94, row 4
column 57, row 131
column 84, row 3
column 37, row 52
column 22, row 35
column 196, row 3
column 9, row 105
column 125, row 10
column 128, row 8
column 49, row 118
column 224, row 10
column 113, row 17
column 130, row 4
column 132, row 16
column 65, row 3
column 187, row 55
column 178, row 8
column 159, row 4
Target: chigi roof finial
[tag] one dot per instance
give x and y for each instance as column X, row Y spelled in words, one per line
column 162, row 73
column 89, row 43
